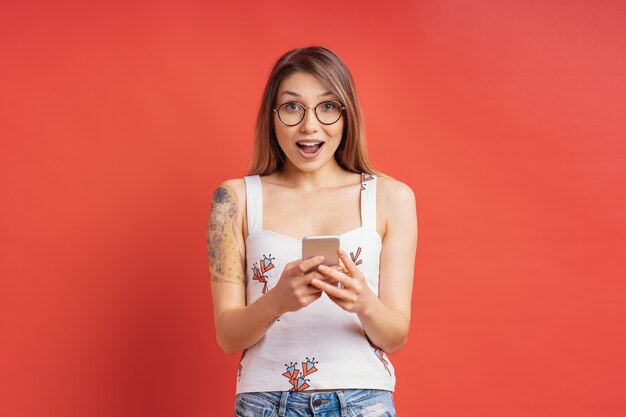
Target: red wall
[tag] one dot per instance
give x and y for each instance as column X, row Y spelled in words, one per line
column 119, row 119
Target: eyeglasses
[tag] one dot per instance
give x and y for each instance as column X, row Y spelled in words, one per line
column 292, row 113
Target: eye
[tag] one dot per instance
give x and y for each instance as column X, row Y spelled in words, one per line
column 292, row 107
column 329, row 106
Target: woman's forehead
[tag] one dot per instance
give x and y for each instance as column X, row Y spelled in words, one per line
column 303, row 85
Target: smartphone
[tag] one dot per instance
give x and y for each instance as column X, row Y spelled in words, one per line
column 326, row 246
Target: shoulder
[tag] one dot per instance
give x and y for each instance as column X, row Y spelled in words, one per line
column 232, row 189
column 396, row 203
column 236, row 185
column 229, row 202
column 230, row 197
column 394, row 193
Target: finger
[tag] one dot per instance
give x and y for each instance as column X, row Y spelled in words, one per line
column 310, row 264
column 314, row 290
column 333, row 267
column 322, row 278
column 340, row 277
column 319, row 277
column 316, row 268
column 329, row 280
column 334, row 299
column 316, row 275
column 350, row 266
column 331, row 290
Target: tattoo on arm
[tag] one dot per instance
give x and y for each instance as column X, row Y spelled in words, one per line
column 224, row 259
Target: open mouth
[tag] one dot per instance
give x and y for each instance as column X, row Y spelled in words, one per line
column 310, row 148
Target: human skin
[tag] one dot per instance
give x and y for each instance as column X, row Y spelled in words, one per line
column 321, row 192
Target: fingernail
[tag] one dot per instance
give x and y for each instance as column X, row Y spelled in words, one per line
column 322, row 267
column 320, row 258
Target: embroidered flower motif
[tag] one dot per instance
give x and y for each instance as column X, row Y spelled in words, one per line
column 355, row 257
column 364, row 178
column 299, row 383
column 258, row 274
column 380, row 355
column 308, row 367
column 266, row 263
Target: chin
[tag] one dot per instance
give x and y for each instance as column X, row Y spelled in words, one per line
column 311, row 166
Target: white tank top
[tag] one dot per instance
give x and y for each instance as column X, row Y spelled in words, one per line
column 320, row 346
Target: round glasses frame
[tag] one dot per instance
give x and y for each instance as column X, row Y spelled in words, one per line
column 277, row 111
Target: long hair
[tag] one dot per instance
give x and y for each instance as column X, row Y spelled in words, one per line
column 322, row 63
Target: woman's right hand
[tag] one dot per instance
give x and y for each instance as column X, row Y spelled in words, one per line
column 293, row 290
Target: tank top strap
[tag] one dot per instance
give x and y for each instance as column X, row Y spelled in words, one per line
column 254, row 204
column 368, row 201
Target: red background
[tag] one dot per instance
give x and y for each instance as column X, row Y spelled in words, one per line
column 119, row 119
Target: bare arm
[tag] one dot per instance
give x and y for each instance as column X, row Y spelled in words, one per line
column 239, row 326
column 385, row 318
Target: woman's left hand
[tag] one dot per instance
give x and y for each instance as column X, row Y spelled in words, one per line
column 354, row 295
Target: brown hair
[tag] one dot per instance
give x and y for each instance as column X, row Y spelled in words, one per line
column 330, row 70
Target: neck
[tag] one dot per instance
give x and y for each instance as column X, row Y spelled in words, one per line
column 326, row 176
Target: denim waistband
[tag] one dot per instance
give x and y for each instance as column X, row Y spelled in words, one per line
column 318, row 401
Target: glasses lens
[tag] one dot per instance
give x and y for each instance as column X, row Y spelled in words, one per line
column 328, row 112
column 291, row 113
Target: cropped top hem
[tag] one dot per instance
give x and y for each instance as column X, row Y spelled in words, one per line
column 263, row 388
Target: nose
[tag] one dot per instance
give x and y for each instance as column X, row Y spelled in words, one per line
column 309, row 123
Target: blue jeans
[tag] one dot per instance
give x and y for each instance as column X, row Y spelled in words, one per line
column 344, row 403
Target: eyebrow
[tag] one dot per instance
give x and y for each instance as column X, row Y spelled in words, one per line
column 291, row 93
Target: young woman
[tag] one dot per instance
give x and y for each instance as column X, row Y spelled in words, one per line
column 314, row 338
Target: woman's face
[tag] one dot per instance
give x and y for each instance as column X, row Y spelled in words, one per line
column 309, row 145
